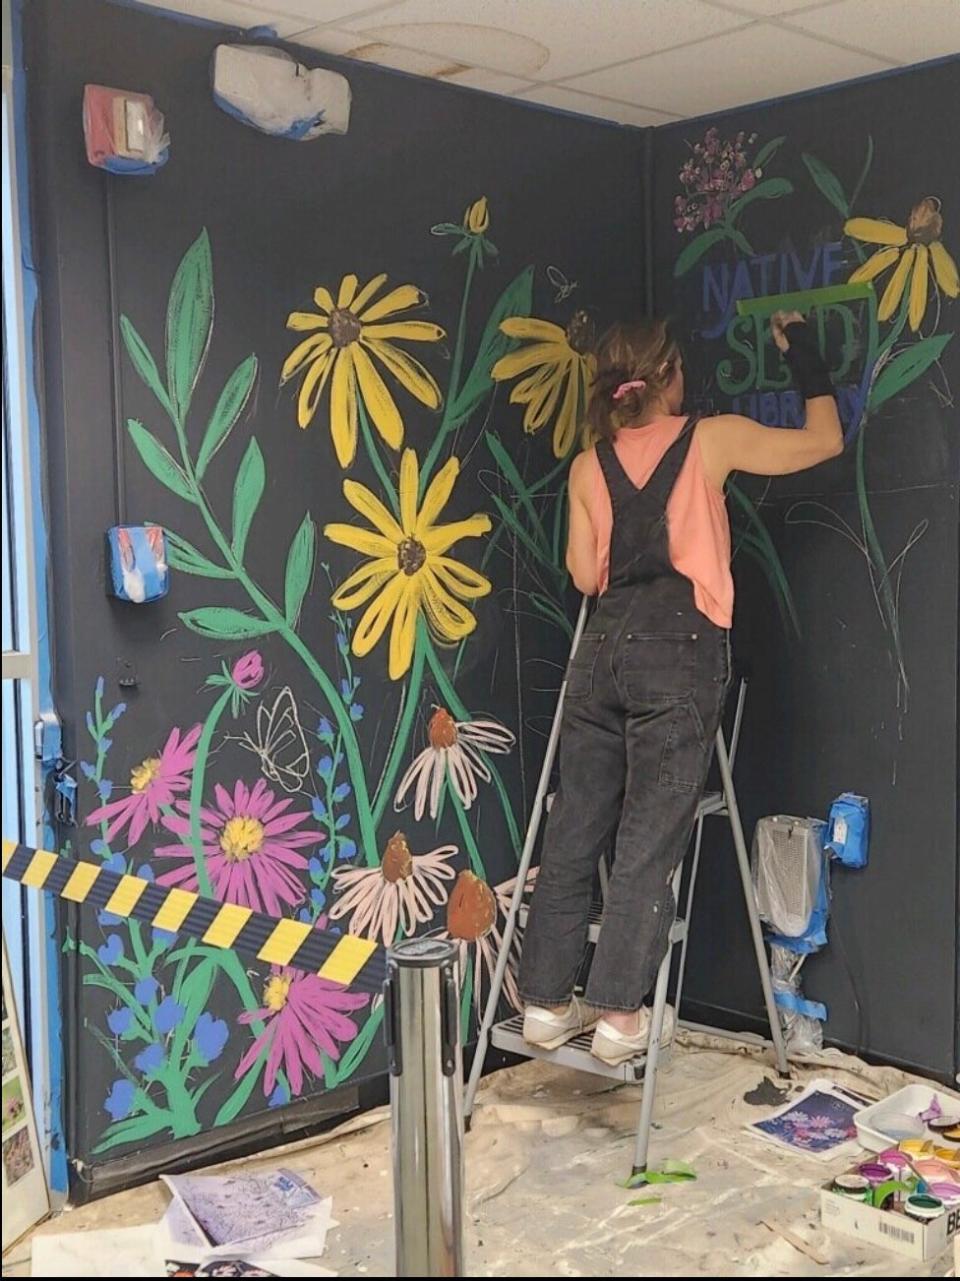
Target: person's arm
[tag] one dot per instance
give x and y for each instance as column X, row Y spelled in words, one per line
column 581, row 537
column 730, row 442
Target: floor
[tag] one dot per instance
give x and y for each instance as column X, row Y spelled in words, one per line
column 545, row 1158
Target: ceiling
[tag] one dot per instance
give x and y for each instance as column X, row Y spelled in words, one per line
column 636, row 62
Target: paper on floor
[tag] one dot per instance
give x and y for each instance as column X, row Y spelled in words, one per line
column 109, row 1252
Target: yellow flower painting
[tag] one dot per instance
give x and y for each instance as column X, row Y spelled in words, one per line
column 408, row 571
column 349, row 339
column 555, row 369
column 914, row 251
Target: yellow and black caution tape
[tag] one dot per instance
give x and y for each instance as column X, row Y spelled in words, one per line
column 341, row 958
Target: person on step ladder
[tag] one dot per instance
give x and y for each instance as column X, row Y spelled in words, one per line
column 646, row 686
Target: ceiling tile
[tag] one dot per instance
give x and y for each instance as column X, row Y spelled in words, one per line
column 585, row 104
column 331, row 40
column 907, row 32
column 232, row 13
column 540, row 39
column 317, row 11
column 762, row 8
column 489, row 81
column 759, row 62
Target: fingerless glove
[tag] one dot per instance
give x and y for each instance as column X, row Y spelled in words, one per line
column 809, row 370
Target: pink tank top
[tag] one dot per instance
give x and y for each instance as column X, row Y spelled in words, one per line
column 697, row 521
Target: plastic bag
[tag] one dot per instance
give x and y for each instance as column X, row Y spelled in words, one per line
column 787, row 858
column 123, row 131
column 848, row 829
column 800, row 1019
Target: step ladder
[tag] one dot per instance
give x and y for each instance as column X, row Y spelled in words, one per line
column 508, row 1034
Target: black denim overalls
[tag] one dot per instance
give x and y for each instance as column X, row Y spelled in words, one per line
column 645, row 691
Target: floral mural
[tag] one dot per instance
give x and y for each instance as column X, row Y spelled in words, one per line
column 899, row 276
column 312, row 818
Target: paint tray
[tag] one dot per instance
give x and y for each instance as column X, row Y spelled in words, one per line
column 910, row 1101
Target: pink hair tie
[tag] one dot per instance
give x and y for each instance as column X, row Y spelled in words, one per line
column 637, row 384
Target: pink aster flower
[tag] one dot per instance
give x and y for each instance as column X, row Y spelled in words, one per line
column 247, row 672
column 305, row 1016
column 251, row 848
column 154, row 784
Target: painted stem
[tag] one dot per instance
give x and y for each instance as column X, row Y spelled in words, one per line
column 196, row 791
column 449, row 420
column 401, row 739
column 456, row 707
column 273, row 615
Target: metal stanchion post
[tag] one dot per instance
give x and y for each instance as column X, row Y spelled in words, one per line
column 421, row 1022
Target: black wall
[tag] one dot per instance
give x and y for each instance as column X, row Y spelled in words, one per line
column 826, row 709
column 282, row 218
column 829, row 706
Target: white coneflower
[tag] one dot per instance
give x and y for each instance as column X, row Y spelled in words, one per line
column 405, row 890
column 455, row 751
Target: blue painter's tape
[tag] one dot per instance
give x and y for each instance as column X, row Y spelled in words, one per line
column 848, row 829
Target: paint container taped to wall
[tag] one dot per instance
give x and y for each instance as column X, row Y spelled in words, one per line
column 137, row 555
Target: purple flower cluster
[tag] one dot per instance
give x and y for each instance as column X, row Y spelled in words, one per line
column 717, row 171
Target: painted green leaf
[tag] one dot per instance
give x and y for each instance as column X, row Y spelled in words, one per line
column 697, row 247
column 905, row 368
column 829, row 184
column 768, row 189
column 512, row 520
column 143, row 361
column 247, row 492
column 768, row 151
column 189, row 322
column 516, row 300
column 299, row 569
column 185, row 557
column 159, row 461
column 509, row 469
column 221, row 623
column 235, row 1103
column 133, row 1129
column 228, row 409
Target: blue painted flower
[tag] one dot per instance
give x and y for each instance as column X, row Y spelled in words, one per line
column 99, row 848
column 168, row 1015
column 346, row 848
column 150, row 1060
column 356, row 711
column 163, row 937
column 100, row 686
column 108, row 919
column 105, row 789
column 115, row 863
column 316, row 867
column 325, row 766
column 210, row 1036
column 119, row 1020
column 145, row 872
column 319, row 809
column 279, row 1097
column 111, row 951
column 325, row 730
column 342, row 791
column 317, row 897
column 146, row 990
column 119, row 1102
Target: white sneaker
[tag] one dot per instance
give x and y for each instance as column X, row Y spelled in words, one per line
column 614, row 1047
column 549, row 1030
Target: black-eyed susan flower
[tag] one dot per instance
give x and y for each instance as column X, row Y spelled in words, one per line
column 408, row 572
column 557, row 367
column 347, row 340
column 914, row 251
